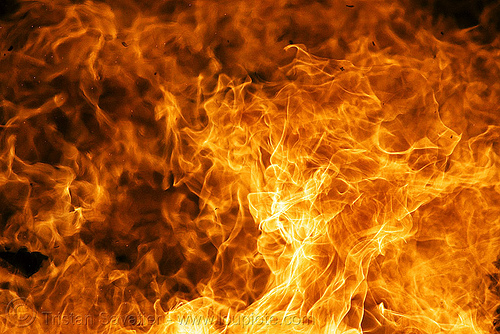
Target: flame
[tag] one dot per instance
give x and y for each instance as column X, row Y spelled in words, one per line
column 247, row 167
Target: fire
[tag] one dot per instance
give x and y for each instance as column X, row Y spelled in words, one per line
column 247, row 167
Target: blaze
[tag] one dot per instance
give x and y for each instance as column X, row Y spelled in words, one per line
column 248, row 167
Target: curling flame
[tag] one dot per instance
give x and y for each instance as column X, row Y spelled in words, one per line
column 247, row 167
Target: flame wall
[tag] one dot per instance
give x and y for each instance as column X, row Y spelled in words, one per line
column 247, row 167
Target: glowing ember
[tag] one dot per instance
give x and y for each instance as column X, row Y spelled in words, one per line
column 248, row 167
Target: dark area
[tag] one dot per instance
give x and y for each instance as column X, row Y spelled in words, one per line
column 465, row 13
column 13, row 197
column 496, row 321
column 258, row 76
column 62, row 122
column 5, row 213
column 7, row 8
column 27, row 263
column 497, row 263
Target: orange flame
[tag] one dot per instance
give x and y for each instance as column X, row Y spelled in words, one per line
column 247, row 167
